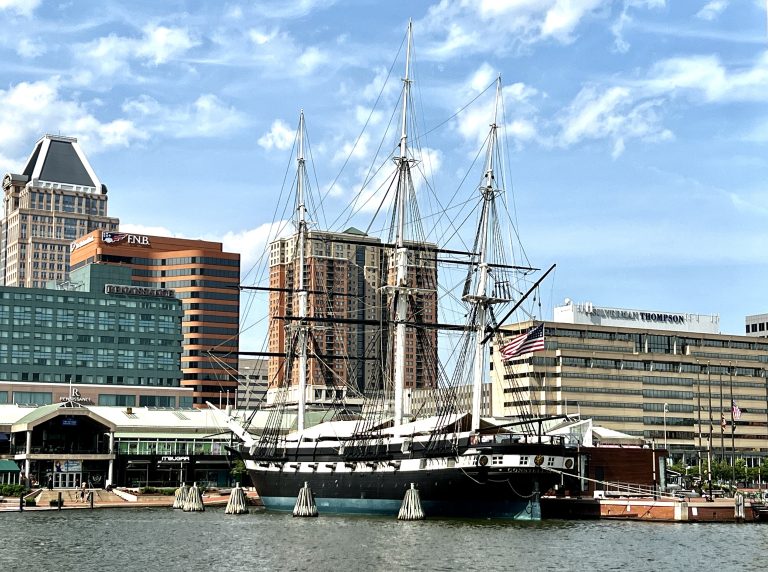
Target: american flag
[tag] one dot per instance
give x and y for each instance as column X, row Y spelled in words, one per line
column 736, row 411
column 531, row 341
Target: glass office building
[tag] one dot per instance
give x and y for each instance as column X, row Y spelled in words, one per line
column 95, row 337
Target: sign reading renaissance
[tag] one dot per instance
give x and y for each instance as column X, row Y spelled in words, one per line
column 137, row 290
column 109, row 237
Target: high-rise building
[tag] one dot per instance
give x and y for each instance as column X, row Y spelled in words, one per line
column 55, row 199
column 664, row 376
column 344, row 276
column 205, row 278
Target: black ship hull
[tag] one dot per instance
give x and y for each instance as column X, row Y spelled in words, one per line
column 484, row 482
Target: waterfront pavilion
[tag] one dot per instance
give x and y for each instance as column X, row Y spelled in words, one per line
column 74, row 442
column 65, row 442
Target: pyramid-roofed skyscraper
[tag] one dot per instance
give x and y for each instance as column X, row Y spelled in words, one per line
column 54, row 200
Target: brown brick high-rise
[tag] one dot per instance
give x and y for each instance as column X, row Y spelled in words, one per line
column 205, row 278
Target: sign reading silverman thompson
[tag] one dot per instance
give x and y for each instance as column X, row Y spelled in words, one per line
column 588, row 313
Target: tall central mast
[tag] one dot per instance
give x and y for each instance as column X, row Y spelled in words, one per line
column 401, row 280
column 480, row 299
column 301, row 224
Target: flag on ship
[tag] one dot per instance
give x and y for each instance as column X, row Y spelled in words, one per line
column 736, row 411
column 531, row 341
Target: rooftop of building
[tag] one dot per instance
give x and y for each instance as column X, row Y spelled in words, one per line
column 134, row 421
column 59, row 160
column 145, row 245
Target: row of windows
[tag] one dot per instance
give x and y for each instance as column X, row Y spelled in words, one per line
column 207, row 330
column 622, row 364
column 211, row 307
column 89, row 379
column 46, row 398
column 60, row 299
column 208, row 318
column 208, row 295
column 86, row 338
column 185, row 272
column 186, row 260
column 171, row 447
column 656, row 343
column 196, row 283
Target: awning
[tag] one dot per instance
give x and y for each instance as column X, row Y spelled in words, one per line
column 8, row 466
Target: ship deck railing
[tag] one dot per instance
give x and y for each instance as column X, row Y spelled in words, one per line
column 621, row 489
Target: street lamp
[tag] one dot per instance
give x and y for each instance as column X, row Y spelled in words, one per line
column 666, row 408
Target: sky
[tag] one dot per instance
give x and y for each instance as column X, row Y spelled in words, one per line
column 638, row 129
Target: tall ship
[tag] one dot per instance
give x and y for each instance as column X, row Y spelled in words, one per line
column 364, row 458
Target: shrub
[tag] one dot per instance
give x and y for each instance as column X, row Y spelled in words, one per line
column 12, row 490
column 157, row 491
column 30, row 502
column 55, row 502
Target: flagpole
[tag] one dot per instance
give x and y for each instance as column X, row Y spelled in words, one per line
column 722, row 417
column 709, row 440
column 733, row 428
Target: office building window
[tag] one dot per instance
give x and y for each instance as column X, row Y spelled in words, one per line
column 32, row 398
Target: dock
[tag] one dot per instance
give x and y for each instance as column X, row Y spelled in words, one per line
column 656, row 510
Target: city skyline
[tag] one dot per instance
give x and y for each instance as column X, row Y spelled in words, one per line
column 638, row 127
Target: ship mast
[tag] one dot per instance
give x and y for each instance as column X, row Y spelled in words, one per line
column 480, row 299
column 303, row 327
column 401, row 281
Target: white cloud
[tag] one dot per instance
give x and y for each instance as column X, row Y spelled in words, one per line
column 207, row 116
column 750, row 203
column 708, row 77
column 452, row 26
column 260, row 37
column 562, row 19
column 280, row 9
column 113, row 55
column 29, row 109
column 357, row 149
column 161, row 44
column 712, row 10
column 252, row 243
column 280, row 136
column 21, row 7
column 309, row 60
column 372, row 89
column 26, row 48
column 364, row 114
column 515, row 115
column 149, row 230
column 633, row 109
column 612, row 113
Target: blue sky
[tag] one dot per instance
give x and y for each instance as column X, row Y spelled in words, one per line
column 639, row 128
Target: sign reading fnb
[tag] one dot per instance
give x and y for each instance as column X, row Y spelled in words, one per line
column 124, row 238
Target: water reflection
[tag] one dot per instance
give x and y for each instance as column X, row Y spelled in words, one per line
column 166, row 540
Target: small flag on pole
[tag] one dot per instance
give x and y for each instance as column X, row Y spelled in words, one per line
column 736, row 412
column 531, row 341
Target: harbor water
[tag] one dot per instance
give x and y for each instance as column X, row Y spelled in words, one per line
column 168, row 540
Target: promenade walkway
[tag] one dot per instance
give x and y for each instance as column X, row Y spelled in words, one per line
column 104, row 499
